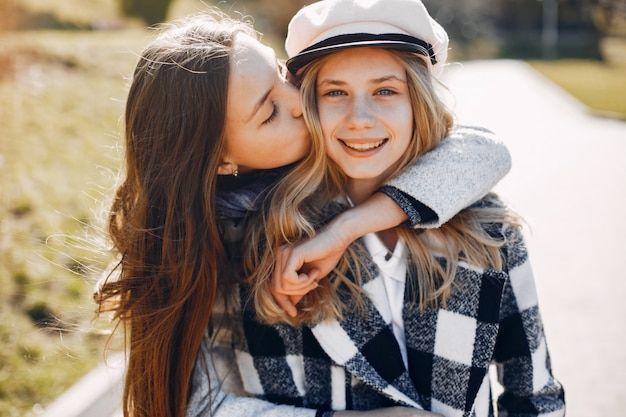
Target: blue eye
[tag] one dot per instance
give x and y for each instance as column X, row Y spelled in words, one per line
column 334, row 93
column 273, row 115
column 385, row 92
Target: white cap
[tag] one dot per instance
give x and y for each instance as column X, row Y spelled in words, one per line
column 330, row 25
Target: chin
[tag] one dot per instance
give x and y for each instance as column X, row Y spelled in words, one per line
column 360, row 175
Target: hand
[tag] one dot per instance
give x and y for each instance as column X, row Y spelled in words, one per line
column 299, row 267
column 388, row 412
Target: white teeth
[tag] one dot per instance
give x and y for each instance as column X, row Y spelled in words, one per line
column 364, row 146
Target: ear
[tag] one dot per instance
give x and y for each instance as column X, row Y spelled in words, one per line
column 227, row 168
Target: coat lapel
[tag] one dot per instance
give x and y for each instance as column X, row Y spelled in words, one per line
column 364, row 344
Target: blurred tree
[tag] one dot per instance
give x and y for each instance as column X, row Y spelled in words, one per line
column 515, row 28
column 578, row 36
column 477, row 28
column 470, row 25
column 150, row 11
column 271, row 17
column 608, row 13
column 464, row 21
column 278, row 13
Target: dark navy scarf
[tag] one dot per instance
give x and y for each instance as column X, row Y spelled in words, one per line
column 245, row 192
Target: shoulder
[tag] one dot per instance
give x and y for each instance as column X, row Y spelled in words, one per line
column 490, row 201
column 468, row 131
column 479, row 142
column 504, row 225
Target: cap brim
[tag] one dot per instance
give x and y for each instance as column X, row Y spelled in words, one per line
column 297, row 62
column 360, row 40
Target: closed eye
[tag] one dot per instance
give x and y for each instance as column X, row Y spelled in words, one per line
column 273, row 115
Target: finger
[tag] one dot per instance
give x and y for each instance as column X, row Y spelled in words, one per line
column 285, row 303
column 288, row 279
column 298, row 291
column 315, row 275
column 303, row 288
column 282, row 255
column 305, row 284
column 291, row 261
column 280, row 267
column 295, row 299
column 302, row 282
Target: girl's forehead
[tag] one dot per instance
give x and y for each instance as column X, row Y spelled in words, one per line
column 253, row 77
column 360, row 53
column 361, row 62
column 246, row 47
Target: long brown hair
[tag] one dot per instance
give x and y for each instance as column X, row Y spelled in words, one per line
column 162, row 220
column 301, row 201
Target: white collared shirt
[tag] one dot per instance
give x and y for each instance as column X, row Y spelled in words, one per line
column 393, row 274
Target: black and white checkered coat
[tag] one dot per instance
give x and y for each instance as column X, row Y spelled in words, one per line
column 356, row 363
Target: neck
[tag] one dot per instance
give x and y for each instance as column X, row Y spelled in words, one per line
column 360, row 190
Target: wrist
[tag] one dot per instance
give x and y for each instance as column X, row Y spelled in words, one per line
column 376, row 214
column 348, row 227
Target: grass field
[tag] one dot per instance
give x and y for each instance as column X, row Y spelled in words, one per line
column 61, row 98
column 601, row 86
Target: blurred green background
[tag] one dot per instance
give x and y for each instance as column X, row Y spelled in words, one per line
column 64, row 68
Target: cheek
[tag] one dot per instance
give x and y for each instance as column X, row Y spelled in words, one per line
column 404, row 120
column 333, row 150
column 286, row 139
column 328, row 119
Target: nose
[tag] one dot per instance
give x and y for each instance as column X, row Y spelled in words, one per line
column 293, row 98
column 361, row 115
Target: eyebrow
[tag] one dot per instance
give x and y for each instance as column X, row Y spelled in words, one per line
column 374, row 81
column 388, row 78
column 258, row 105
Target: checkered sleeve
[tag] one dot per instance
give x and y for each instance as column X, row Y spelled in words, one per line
column 219, row 387
column 521, row 352
column 210, row 396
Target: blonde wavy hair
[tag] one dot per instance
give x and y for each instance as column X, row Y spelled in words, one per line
column 307, row 198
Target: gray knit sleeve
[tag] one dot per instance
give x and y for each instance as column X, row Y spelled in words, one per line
column 442, row 182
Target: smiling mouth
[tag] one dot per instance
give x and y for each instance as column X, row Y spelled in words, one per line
column 364, row 146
